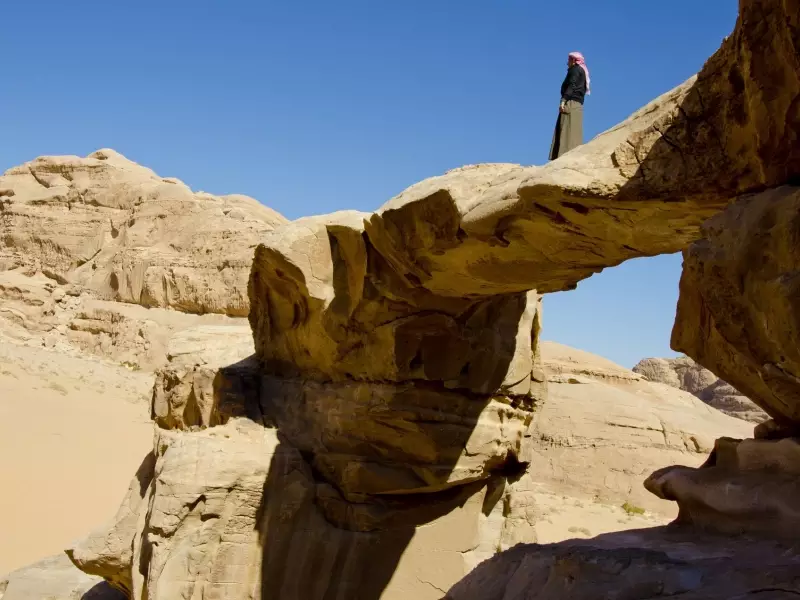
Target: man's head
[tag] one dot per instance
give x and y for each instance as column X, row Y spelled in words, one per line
column 575, row 58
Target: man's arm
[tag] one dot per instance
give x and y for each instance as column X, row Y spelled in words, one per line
column 573, row 81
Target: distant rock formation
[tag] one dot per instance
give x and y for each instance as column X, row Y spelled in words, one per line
column 118, row 229
column 685, row 374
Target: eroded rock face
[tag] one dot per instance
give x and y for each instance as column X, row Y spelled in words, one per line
column 235, row 512
column 685, row 374
column 598, row 437
column 643, row 565
column 108, row 552
column 207, row 379
column 738, row 311
column 391, row 389
column 315, row 499
column 119, row 229
column 747, row 487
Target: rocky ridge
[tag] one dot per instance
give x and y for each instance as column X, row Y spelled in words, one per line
column 685, row 374
column 116, row 228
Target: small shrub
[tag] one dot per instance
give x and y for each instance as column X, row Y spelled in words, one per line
column 58, row 387
column 632, row 509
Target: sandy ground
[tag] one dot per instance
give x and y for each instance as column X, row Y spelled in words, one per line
column 72, row 432
column 564, row 517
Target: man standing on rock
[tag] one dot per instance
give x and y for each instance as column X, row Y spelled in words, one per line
column 569, row 126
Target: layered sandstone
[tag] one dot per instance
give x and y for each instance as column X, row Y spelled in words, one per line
column 737, row 312
column 116, row 228
column 640, row 565
column 685, row 374
column 261, row 508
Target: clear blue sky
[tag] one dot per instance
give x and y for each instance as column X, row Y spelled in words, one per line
column 323, row 105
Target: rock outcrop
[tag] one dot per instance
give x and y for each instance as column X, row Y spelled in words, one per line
column 260, row 510
column 55, row 578
column 738, row 312
column 69, row 229
column 396, row 396
column 685, row 374
column 120, row 230
column 603, row 430
column 208, row 374
column 747, row 487
column 639, row 565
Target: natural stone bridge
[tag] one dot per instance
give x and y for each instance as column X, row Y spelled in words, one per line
column 396, row 352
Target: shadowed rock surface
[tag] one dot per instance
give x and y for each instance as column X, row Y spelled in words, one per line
column 266, row 504
column 638, row 565
column 738, row 311
column 735, row 317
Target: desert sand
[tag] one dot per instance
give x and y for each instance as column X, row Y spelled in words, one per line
column 71, row 431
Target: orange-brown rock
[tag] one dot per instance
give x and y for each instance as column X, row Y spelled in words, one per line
column 747, row 487
column 739, row 307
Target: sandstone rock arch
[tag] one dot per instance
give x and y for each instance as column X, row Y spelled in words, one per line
column 397, row 366
column 433, row 288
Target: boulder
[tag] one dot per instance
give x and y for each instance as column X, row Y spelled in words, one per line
column 746, row 487
column 639, row 565
column 55, row 578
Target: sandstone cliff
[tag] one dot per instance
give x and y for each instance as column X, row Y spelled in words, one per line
column 118, row 229
column 76, row 355
column 257, row 513
column 685, row 374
